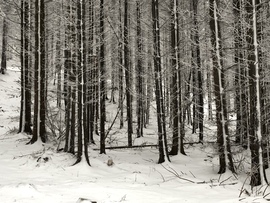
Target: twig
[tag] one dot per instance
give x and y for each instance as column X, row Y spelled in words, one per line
column 192, row 174
column 241, row 191
column 224, row 180
column 177, row 175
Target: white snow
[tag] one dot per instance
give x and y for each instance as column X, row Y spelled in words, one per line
column 39, row 174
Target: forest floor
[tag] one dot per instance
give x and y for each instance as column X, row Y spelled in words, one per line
column 39, row 173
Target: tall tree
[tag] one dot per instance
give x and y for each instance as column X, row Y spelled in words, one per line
column 4, row 46
column 94, row 76
column 255, row 130
column 240, row 76
column 127, row 73
column 225, row 156
column 140, row 74
column 181, row 99
column 67, row 72
column 39, row 129
column 79, row 78
column 102, row 80
column 174, row 85
column 120, row 67
column 197, row 62
column 25, row 112
column 161, row 122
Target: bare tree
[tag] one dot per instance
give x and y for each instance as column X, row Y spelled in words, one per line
column 161, row 122
column 225, row 156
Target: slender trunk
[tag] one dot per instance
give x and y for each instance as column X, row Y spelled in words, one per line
column 127, row 73
column 67, row 73
column 22, row 110
column 221, row 111
column 255, row 131
column 162, row 139
column 149, row 88
column 199, row 70
column 72, row 76
column 140, row 72
column 181, row 104
column 120, row 69
column 4, row 47
column 25, row 114
column 58, row 66
column 174, row 88
column 39, row 129
column 80, row 73
column 102, row 81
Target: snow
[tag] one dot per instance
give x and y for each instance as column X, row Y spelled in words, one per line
column 38, row 173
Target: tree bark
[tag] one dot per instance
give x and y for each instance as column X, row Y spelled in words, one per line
column 255, row 130
column 39, row 129
column 162, row 138
column 127, row 74
column 140, row 72
column 174, row 88
column 4, row 47
column 102, row 81
column 225, row 157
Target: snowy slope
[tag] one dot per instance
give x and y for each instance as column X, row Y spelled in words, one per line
column 38, row 173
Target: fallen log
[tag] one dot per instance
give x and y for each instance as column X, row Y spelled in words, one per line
column 150, row 145
column 129, row 147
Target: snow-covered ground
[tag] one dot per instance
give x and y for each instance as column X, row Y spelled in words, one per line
column 38, row 173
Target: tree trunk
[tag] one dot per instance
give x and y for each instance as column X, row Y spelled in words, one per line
column 40, row 75
column 102, row 81
column 127, row 74
column 120, row 68
column 221, row 108
column 174, row 88
column 197, row 60
column 80, row 73
column 25, row 113
column 255, row 131
column 67, row 73
column 140, row 72
column 4, row 47
column 162, row 138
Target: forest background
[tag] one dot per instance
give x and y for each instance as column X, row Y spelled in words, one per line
column 105, row 75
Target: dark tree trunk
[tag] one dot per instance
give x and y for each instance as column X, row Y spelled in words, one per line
column 240, row 78
column 72, row 76
column 258, row 176
column 25, row 114
column 58, row 65
column 80, row 73
column 162, row 139
column 102, row 80
column 22, row 68
column 174, row 88
column 67, row 73
column 197, row 60
column 140, row 72
column 209, row 93
column 254, row 143
column 84, row 78
column 39, row 129
column 67, row 95
column 91, row 83
column 221, row 108
column 43, row 82
column 149, row 87
column 120, row 68
column 127, row 74
column 181, row 104
column 4, row 47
